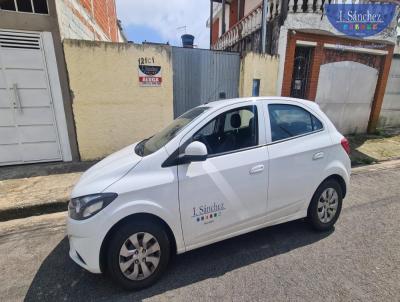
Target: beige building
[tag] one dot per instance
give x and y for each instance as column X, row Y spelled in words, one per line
column 111, row 107
column 258, row 67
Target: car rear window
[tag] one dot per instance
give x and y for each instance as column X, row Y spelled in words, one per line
column 290, row 121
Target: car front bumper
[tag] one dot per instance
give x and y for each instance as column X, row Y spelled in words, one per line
column 84, row 246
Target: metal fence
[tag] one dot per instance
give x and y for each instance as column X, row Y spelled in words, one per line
column 202, row 76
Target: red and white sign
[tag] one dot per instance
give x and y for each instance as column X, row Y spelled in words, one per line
column 150, row 76
column 150, row 81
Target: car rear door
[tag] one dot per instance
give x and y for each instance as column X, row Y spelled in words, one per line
column 298, row 148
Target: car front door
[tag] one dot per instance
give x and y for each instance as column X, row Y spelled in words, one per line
column 298, row 153
column 226, row 193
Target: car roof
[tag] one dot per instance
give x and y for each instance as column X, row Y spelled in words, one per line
column 225, row 102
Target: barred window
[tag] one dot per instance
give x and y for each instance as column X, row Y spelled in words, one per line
column 26, row 6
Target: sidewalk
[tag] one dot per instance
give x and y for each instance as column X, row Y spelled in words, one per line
column 44, row 188
column 29, row 190
column 374, row 148
column 35, row 195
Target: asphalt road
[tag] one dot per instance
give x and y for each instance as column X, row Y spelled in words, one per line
column 358, row 261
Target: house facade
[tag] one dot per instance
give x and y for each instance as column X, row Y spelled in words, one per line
column 36, row 120
column 346, row 75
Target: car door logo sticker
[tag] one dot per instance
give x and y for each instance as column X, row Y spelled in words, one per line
column 208, row 213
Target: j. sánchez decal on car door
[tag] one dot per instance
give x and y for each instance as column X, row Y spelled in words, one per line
column 208, row 213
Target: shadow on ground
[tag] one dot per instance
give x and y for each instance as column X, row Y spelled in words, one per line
column 357, row 157
column 383, row 145
column 59, row 278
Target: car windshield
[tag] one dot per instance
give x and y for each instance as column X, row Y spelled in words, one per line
column 160, row 139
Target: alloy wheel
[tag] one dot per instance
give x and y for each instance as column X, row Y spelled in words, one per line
column 139, row 256
column 327, row 205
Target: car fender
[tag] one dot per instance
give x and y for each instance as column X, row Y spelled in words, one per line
column 125, row 209
column 339, row 168
column 335, row 167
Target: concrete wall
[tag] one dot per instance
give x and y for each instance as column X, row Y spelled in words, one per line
column 111, row 110
column 46, row 23
column 258, row 66
column 390, row 113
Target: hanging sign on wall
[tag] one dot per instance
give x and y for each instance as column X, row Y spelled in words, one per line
column 360, row 20
column 149, row 75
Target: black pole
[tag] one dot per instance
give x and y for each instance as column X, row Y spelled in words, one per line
column 264, row 25
column 238, row 11
column 211, row 21
column 223, row 17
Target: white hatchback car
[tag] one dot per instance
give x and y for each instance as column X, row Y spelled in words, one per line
column 219, row 170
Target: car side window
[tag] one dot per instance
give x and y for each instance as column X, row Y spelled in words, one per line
column 317, row 125
column 232, row 130
column 290, row 120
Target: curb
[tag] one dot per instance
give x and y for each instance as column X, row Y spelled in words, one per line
column 61, row 205
column 33, row 210
column 383, row 165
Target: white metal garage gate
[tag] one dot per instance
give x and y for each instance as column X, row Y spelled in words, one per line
column 32, row 120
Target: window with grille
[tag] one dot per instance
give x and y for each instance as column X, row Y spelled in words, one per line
column 26, row 6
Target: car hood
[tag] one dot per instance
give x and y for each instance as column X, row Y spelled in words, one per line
column 106, row 172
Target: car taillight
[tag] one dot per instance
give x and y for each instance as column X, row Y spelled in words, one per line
column 345, row 145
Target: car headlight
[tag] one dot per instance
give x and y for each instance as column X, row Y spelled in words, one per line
column 83, row 207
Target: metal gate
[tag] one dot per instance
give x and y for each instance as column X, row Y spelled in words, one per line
column 202, row 76
column 301, row 72
column 345, row 93
column 390, row 112
column 28, row 131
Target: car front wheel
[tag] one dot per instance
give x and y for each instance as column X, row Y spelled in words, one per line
column 138, row 254
column 326, row 205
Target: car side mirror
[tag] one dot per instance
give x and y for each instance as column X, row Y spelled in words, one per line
column 195, row 151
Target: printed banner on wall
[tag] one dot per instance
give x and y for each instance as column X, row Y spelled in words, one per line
column 150, row 76
column 360, row 20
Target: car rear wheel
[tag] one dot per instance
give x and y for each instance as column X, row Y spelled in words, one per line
column 326, row 205
column 138, row 254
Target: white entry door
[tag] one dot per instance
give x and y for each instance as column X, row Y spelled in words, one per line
column 28, row 129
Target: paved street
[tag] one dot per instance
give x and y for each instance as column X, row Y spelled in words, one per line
column 358, row 261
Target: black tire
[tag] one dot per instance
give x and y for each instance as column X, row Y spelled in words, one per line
column 313, row 211
column 118, row 239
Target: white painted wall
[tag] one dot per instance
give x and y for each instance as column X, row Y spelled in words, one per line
column 390, row 112
column 58, row 104
column 219, row 16
column 249, row 5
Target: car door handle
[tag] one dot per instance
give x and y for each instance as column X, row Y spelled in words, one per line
column 318, row 155
column 256, row 169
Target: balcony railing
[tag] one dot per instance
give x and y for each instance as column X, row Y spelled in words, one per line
column 309, row 6
column 246, row 26
column 252, row 21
